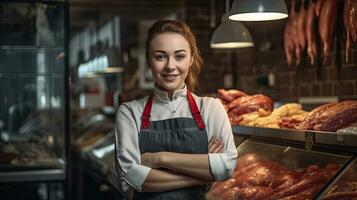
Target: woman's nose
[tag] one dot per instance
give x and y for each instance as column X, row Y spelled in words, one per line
column 171, row 63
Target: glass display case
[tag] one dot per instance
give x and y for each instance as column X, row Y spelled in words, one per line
column 33, row 87
column 344, row 186
column 101, row 152
column 92, row 135
column 97, row 164
column 268, row 171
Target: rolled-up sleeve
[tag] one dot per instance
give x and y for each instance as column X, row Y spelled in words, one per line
column 131, row 172
column 222, row 164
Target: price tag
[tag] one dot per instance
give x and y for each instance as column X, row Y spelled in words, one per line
column 309, row 140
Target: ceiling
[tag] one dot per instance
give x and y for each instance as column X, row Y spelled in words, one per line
column 86, row 12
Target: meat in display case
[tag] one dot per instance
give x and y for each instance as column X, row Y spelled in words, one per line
column 271, row 172
column 344, row 187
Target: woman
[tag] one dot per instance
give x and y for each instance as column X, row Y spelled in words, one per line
column 162, row 140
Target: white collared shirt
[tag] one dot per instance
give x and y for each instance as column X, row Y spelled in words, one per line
column 127, row 130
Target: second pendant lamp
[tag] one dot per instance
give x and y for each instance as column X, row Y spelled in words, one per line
column 258, row 10
column 231, row 34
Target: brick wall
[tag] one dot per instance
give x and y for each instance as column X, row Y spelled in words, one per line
column 251, row 66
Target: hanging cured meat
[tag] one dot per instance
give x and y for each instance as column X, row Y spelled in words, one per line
column 310, row 31
column 350, row 21
column 291, row 40
column 288, row 43
column 301, row 19
column 318, row 6
column 327, row 26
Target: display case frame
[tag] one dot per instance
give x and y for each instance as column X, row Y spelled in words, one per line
column 309, row 139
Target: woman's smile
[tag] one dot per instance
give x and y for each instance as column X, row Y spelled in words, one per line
column 170, row 77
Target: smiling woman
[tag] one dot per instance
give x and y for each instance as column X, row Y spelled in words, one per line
column 187, row 141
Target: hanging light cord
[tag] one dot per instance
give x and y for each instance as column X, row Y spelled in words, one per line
column 227, row 6
column 213, row 14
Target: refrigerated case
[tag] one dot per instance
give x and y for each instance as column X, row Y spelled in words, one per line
column 344, row 186
column 33, row 98
column 95, row 166
column 270, row 171
column 310, row 163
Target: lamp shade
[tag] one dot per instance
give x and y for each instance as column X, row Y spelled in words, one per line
column 258, row 10
column 231, row 34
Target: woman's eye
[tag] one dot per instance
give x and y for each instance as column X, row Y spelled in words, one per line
column 180, row 57
column 160, row 57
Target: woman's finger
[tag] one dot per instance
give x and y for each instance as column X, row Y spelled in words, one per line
column 216, row 145
column 213, row 144
column 218, row 149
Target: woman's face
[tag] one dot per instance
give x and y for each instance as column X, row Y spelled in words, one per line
column 170, row 59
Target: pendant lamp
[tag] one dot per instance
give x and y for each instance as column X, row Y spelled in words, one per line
column 258, row 10
column 231, row 34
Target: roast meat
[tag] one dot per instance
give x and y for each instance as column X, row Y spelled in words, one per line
column 230, row 95
column 251, row 103
column 331, row 117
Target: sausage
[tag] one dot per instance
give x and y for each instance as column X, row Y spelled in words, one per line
column 350, row 22
column 301, row 19
column 310, row 32
column 327, row 24
column 220, row 188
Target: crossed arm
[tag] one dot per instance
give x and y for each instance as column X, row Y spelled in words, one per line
column 176, row 170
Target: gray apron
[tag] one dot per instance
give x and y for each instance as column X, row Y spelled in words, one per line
column 181, row 135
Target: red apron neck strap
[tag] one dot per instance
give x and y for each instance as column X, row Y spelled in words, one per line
column 145, row 118
column 194, row 111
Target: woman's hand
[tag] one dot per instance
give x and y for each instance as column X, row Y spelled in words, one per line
column 215, row 145
column 151, row 160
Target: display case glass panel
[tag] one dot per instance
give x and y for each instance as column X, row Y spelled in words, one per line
column 102, row 152
column 92, row 134
column 267, row 171
column 32, row 86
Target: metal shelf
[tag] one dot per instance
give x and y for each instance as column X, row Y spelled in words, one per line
column 33, row 175
column 32, row 48
column 310, row 138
